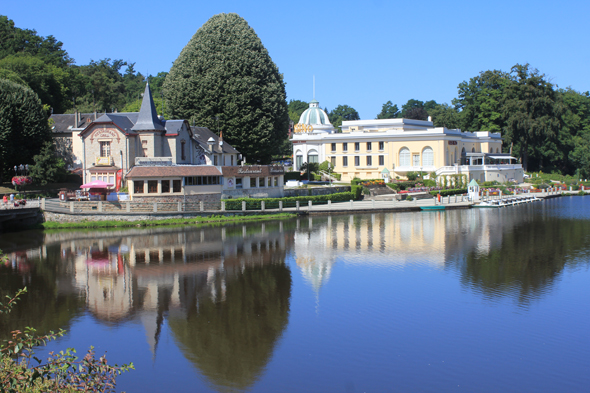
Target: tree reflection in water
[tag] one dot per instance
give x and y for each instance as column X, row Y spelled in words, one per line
column 231, row 340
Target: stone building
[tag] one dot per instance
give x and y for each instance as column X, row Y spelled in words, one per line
column 166, row 160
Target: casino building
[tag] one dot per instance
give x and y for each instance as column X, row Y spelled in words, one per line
column 390, row 148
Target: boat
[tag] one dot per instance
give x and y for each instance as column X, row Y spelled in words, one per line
column 488, row 204
column 436, row 207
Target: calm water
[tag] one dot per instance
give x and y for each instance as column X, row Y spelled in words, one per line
column 477, row 301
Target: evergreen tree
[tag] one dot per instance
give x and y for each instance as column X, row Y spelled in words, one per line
column 225, row 72
column 23, row 126
column 388, row 111
column 48, row 168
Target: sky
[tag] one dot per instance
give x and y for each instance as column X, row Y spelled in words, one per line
column 362, row 54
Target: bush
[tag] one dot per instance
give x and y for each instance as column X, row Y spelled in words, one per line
column 356, row 192
column 63, row 371
column 294, row 175
column 355, row 181
column 411, row 176
column 409, row 198
column 452, row 191
column 402, row 185
column 365, row 190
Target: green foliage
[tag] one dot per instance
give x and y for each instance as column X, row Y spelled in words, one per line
column 225, row 71
column 412, row 176
column 48, row 168
column 295, row 175
column 388, row 111
column 23, row 126
column 429, row 183
column 451, row 191
column 402, row 185
column 356, row 192
column 308, row 168
column 296, row 109
column 21, row 370
column 444, row 115
column 355, row 181
column 341, row 113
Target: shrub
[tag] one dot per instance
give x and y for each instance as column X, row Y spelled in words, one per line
column 409, row 198
column 356, row 192
column 294, row 175
column 411, row 176
column 62, row 371
column 355, row 181
column 451, row 191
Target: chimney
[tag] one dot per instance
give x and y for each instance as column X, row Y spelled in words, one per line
column 75, row 118
column 430, row 118
column 211, row 143
column 220, row 138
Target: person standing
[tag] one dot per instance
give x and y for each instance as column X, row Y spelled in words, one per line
column 11, row 198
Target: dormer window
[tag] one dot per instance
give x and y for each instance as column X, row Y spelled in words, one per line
column 182, row 150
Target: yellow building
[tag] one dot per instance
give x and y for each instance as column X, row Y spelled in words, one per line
column 390, row 148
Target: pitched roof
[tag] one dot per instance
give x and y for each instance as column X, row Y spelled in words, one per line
column 202, row 135
column 65, row 122
column 173, row 171
column 124, row 121
column 148, row 116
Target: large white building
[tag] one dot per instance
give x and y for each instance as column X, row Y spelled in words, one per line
column 390, row 148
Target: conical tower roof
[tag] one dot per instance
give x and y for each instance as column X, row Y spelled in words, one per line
column 148, row 116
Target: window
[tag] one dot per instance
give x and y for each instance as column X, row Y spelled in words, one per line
column 381, row 145
column 111, row 179
column 152, row 186
column 345, row 147
column 344, row 161
column 357, row 146
column 428, row 156
column 269, row 182
column 253, row 182
column 165, row 186
column 276, row 181
column 312, row 158
column 175, row 185
column 144, row 148
column 404, row 157
column 105, row 149
column 333, row 162
column 369, row 146
column 357, row 161
column 333, row 147
column 182, row 155
column 201, row 180
column 369, row 161
column 231, row 160
column 381, row 160
column 416, row 160
column 238, row 182
column 215, row 160
column 298, row 162
column 138, row 186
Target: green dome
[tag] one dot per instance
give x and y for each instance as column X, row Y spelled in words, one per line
column 314, row 115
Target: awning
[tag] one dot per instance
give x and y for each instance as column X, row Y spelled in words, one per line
column 501, row 157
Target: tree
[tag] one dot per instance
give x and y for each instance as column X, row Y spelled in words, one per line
column 481, row 101
column 444, row 115
column 341, row 113
column 388, row 111
column 48, row 168
column 296, row 108
column 23, row 125
column 532, row 114
column 225, row 71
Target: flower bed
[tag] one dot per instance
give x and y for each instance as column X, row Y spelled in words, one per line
column 21, row 180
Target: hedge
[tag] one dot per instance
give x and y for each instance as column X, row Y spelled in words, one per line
column 293, row 175
column 402, row 185
column 273, row 203
column 452, row 191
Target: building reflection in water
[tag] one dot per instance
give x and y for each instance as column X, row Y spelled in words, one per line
column 224, row 291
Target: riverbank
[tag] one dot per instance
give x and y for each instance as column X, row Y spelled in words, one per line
column 169, row 221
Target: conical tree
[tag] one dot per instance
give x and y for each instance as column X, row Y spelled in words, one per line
column 225, row 79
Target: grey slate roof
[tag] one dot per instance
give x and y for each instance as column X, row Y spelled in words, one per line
column 124, row 121
column 63, row 123
column 148, row 116
column 202, row 135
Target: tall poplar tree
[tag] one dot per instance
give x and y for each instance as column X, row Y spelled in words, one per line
column 225, row 79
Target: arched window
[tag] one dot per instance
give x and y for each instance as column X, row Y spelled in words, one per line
column 404, row 157
column 428, row 156
column 473, row 149
column 497, row 150
column 491, row 149
column 312, row 156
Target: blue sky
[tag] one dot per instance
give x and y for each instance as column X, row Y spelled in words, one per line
column 361, row 53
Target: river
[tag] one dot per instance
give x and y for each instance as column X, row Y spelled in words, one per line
column 478, row 300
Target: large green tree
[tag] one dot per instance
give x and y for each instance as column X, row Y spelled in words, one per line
column 296, row 108
column 341, row 113
column 225, row 72
column 533, row 117
column 23, row 126
column 388, row 111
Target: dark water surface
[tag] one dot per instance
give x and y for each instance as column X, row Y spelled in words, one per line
column 489, row 300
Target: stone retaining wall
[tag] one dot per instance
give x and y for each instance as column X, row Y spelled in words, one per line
column 80, row 217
